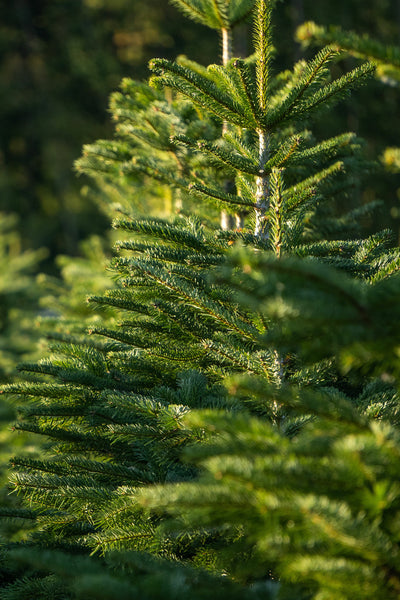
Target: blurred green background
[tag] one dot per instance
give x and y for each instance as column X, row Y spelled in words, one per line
column 60, row 60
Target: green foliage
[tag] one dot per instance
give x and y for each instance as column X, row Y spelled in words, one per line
column 290, row 103
column 312, row 500
column 387, row 58
column 126, row 575
column 19, row 308
column 241, row 381
column 320, row 509
column 216, row 14
column 18, row 296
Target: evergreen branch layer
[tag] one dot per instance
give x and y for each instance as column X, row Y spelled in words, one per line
column 238, row 413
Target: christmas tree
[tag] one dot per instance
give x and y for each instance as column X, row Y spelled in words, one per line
column 233, row 426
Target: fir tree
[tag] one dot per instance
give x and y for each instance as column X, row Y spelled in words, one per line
column 19, row 296
column 202, row 325
column 19, row 309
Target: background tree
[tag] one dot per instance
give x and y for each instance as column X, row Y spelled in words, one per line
column 59, row 63
column 263, row 351
column 19, row 307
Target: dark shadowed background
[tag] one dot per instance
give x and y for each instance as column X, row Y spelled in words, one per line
column 60, row 60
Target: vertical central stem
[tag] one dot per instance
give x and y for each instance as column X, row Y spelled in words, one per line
column 226, row 57
column 262, row 186
column 226, row 46
column 226, row 219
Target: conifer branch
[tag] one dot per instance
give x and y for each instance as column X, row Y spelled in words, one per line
column 164, row 230
column 346, row 142
column 249, row 88
column 229, row 80
column 297, row 194
column 199, row 89
column 286, row 153
column 337, row 88
column 387, row 58
column 207, row 193
column 223, row 155
column 251, row 377
column 312, row 74
column 194, row 12
column 199, row 301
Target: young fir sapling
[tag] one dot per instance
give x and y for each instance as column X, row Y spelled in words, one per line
column 208, row 320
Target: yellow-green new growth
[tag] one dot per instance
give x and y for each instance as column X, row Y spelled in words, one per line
column 216, row 14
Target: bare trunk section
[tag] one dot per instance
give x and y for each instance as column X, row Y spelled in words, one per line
column 226, row 46
column 262, row 183
column 227, row 221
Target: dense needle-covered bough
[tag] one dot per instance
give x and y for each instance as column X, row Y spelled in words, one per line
column 231, row 425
